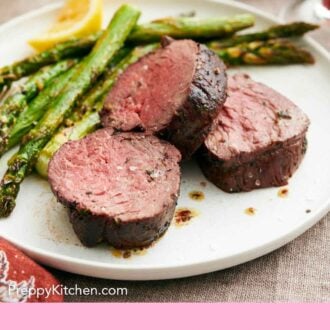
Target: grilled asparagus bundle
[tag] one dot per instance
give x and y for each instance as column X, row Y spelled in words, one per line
column 30, row 115
column 181, row 27
column 69, row 49
column 34, row 111
column 18, row 102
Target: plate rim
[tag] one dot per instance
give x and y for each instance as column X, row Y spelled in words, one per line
column 124, row 271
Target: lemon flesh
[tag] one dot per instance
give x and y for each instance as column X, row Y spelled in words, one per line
column 77, row 18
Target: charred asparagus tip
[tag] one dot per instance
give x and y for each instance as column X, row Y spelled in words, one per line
column 7, row 205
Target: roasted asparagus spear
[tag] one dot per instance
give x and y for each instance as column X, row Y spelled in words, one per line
column 290, row 30
column 190, row 27
column 18, row 102
column 181, row 27
column 37, row 108
column 69, row 49
column 277, row 51
column 34, row 112
column 87, row 73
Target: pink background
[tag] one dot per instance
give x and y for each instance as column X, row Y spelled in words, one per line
column 166, row 316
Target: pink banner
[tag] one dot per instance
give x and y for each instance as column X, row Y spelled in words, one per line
column 166, row 316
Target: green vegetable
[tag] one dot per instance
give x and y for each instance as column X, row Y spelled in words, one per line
column 296, row 29
column 181, row 27
column 69, row 49
column 37, row 108
column 275, row 51
column 34, row 111
column 190, row 27
column 18, row 102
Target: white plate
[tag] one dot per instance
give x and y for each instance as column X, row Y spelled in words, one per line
column 222, row 235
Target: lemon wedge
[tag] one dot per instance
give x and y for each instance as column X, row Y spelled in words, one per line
column 77, row 18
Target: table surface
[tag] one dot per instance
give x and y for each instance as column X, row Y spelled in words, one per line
column 298, row 272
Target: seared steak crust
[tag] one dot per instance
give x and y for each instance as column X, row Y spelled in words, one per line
column 121, row 188
column 92, row 229
column 272, row 168
column 258, row 140
column 175, row 92
column 207, row 94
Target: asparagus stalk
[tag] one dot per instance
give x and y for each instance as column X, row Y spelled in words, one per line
column 190, row 27
column 182, row 27
column 296, row 29
column 87, row 73
column 68, row 49
column 37, row 108
column 17, row 102
column 89, row 108
column 276, row 51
